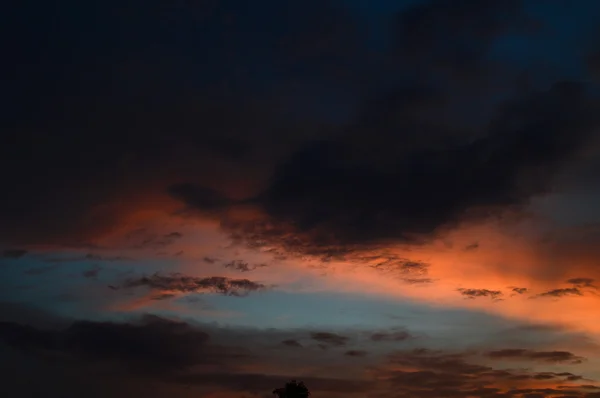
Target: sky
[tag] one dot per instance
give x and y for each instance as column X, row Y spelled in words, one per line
column 380, row 198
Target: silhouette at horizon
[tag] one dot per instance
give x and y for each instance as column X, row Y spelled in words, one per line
column 292, row 389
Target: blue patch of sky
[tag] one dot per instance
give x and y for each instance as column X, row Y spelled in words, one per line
column 349, row 311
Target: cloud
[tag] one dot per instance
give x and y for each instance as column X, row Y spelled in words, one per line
column 13, row 253
column 326, row 198
column 544, row 356
column 519, row 290
column 582, row 282
column 355, row 353
column 40, row 270
column 562, row 292
column 332, row 339
column 92, row 273
column 154, row 343
column 392, row 336
column 472, row 246
column 87, row 257
column 474, row 293
column 240, row 265
column 178, row 283
column 291, row 343
column 430, row 373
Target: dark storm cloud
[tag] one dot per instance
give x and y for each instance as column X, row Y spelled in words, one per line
column 126, row 98
column 474, row 293
column 190, row 284
column 328, row 338
column 336, row 195
column 190, row 114
column 13, row 253
column 543, row 356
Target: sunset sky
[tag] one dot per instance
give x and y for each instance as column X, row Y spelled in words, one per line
column 206, row 198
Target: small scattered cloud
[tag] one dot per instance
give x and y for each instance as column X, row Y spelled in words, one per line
column 392, row 336
column 355, row 353
column 327, row 338
column 92, row 273
column 243, row 266
column 562, row 292
column 418, row 281
column 472, row 246
column 476, row 293
column 291, row 343
column 518, row 290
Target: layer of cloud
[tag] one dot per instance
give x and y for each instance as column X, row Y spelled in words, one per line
column 178, row 283
column 544, row 356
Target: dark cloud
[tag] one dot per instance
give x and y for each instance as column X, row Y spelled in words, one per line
column 392, row 336
column 13, row 253
column 291, row 343
column 160, row 241
column 243, row 266
column 163, row 296
column 210, row 260
column 544, row 356
column 189, row 284
column 40, row 270
column 400, row 265
column 327, row 196
column 582, row 282
column 417, row 281
column 87, row 257
column 474, row 293
column 92, row 273
column 519, row 290
column 562, row 292
column 154, row 343
column 327, row 338
column 190, row 116
column 355, row 353
column 438, row 373
column 161, row 101
column 472, row 246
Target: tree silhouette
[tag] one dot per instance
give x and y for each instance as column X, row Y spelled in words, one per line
column 292, row 389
